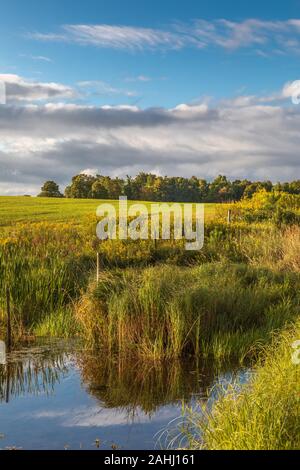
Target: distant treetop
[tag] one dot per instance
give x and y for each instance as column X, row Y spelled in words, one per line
column 150, row 187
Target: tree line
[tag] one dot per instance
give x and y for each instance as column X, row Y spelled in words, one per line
column 150, row 187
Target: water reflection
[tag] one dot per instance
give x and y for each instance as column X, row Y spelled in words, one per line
column 2, row 353
column 131, row 383
column 32, row 371
column 116, row 382
column 55, row 394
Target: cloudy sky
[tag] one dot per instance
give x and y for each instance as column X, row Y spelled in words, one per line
column 177, row 88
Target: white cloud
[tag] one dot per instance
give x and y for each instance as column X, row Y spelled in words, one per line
column 245, row 137
column 37, row 57
column 233, row 35
column 88, row 416
column 97, row 87
column 139, row 78
column 89, row 172
column 21, row 89
column 115, row 36
column 143, row 78
column 278, row 36
column 292, row 90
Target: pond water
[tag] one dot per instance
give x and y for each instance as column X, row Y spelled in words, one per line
column 55, row 395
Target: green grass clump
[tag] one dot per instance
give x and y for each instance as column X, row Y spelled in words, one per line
column 44, row 270
column 261, row 415
column 167, row 311
column 58, row 324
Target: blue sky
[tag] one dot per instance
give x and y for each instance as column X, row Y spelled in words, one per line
column 174, row 76
column 208, row 56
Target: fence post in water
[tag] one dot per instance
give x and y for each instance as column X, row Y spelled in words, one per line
column 8, row 319
column 98, row 266
column 229, row 216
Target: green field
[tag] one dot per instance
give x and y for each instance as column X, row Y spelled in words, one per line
column 156, row 301
column 15, row 209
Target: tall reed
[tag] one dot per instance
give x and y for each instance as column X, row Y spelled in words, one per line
column 167, row 311
column 261, row 415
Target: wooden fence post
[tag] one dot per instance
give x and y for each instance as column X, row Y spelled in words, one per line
column 8, row 328
column 98, row 267
column 229, row 216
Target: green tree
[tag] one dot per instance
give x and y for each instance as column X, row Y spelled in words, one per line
column 50, row 189
column 294, row 187
column 99, row 191
column 252, row 189
column 238, row 188
column 220, row 189
column 81, row 187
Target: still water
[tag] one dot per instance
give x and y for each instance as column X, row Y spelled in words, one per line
column 55, row 395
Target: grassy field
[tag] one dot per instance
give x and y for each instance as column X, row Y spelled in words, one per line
column 47, row 260
column 32, row 209
column 156, row 300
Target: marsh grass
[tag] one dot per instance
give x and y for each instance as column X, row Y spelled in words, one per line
column 168, row 311
column 43, row 275
column 280, row 250
column 261, row 415
column 47, row 267
column 58, row 324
